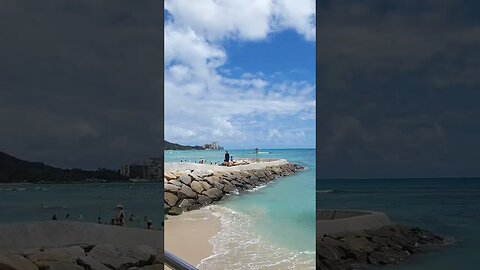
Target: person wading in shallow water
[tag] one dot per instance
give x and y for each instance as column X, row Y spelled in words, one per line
column 150, row 225
column 120, row 217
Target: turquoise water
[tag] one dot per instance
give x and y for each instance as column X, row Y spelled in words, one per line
column 279, row 217
column 84, row 202
column 449, row 207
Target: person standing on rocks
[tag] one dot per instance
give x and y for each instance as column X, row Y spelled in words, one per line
column 226, row 160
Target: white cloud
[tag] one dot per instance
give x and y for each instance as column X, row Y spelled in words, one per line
column 247, row 20
column 201, row 102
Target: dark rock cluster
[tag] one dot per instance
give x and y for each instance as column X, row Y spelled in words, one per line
column 84, row 257
column 386, row 245
column 189, row 190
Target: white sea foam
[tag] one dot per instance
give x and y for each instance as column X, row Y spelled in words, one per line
column 238, row 247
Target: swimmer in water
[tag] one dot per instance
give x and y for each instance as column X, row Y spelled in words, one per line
column 150, row 225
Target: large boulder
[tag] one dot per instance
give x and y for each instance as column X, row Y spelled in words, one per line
column 205, row 185
column 197, row 186
column 90, row 263
column 169, row 176
column 186, row 179
column 175, row 211
column 214, row 193
column 15, row 262
column 204, row 200
column 171, row 188
column 170, row 198
column 73, row 251
column 229, row 188
column 186, row 203
column 186, row 192
column 112, row 257
column 175, row 182
column 54, row 260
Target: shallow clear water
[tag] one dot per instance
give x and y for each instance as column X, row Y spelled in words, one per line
column 449, row 207
column 87, row 202
column 269, row 228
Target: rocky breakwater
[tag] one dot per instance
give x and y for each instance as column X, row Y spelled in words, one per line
column 61, row 245
column 83, row 257
column 379, row 245
column 191, row 189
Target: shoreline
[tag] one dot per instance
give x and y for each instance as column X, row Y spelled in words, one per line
column 196, row 228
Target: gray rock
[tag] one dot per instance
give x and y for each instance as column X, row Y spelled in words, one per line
column 205, row 185
column 186, row 179
column 142, row 255
column 175, row 182
column 170, row 198
column 154, row 267
column 73, row 251
column 229, row 188
column 15, row 262
column 197, row 186
column 112, row 257
column 209, row 180
column 219, row 185
column 171, row 188
column 51, row 259
column 90, row 263
column 195, row 176
column 214, row 193
column 175, row 211
column 186, row 192
column 61, row 265
column 330, row 253
column 170, row 176
column 204, row 200
column 185, row 203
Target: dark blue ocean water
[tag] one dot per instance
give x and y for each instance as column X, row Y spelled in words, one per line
column 449, row 207
column 84, row 202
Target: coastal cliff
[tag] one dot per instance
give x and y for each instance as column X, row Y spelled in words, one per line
column 191, row 189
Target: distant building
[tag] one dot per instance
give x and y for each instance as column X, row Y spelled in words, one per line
column 212, row 146
column 150, row 169
column 134, row 171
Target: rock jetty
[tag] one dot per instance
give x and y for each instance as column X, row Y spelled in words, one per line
column 385, row 245
column 83, row 257
column 60, row 245
column 191, row 189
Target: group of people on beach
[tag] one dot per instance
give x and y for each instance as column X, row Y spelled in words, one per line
column 118, row 220
column 228, row 159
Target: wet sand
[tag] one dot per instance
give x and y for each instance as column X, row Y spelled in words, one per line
column 187, row 236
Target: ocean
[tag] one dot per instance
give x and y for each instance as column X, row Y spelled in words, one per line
column 272, row 227
column 82, row 202
column 448, row 207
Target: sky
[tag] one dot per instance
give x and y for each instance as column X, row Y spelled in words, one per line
column 80, row 81
column 398, row 89
column 240, row 72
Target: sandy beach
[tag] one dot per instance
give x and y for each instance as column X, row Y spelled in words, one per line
column 187, row 236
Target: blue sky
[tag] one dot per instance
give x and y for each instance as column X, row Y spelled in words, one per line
column 241, row 75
